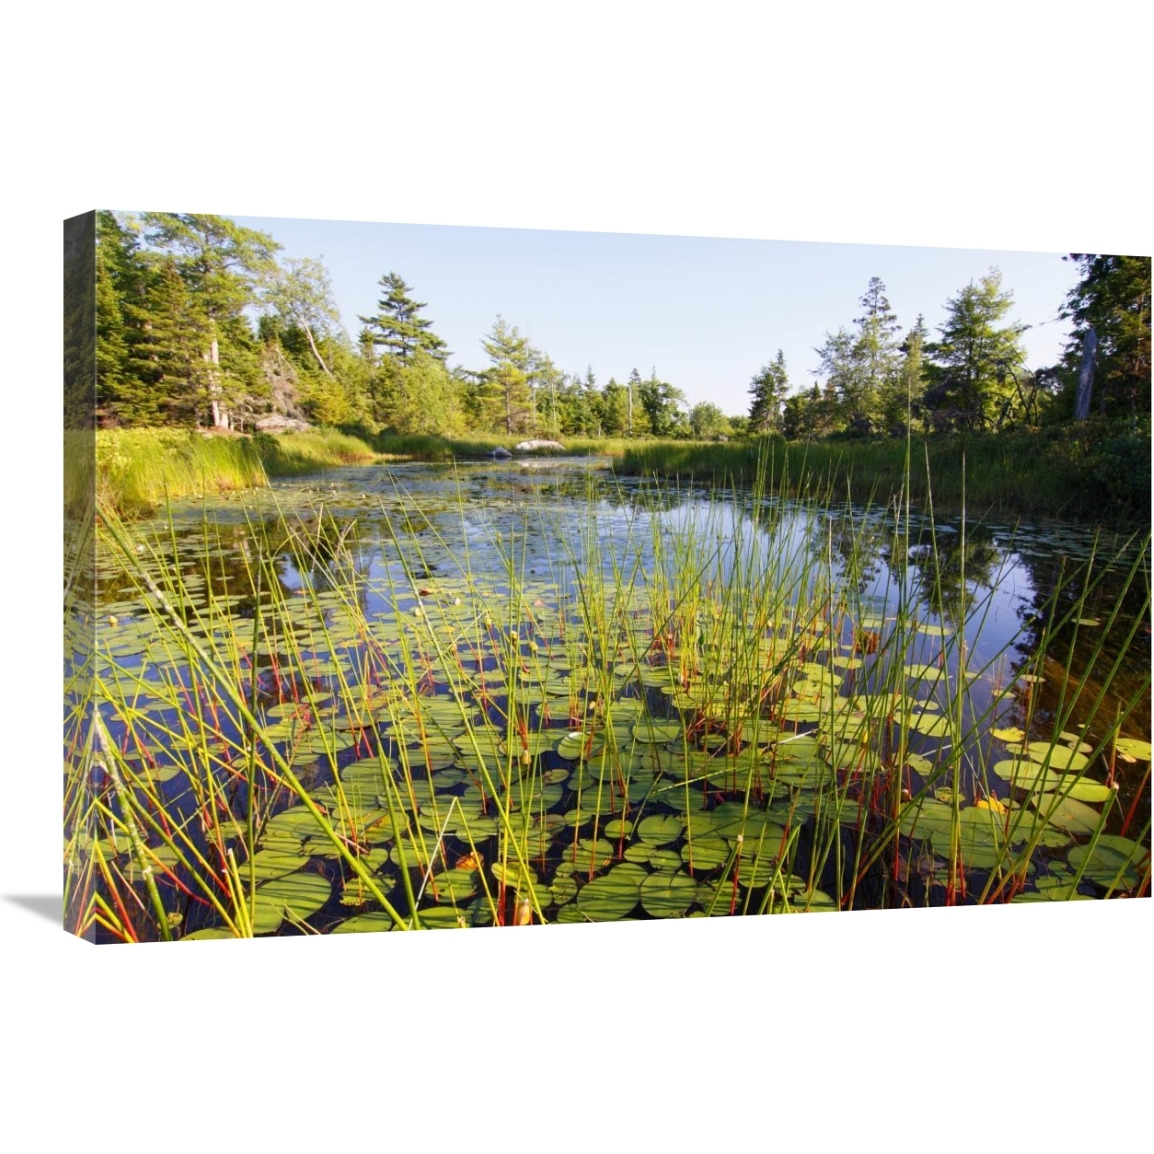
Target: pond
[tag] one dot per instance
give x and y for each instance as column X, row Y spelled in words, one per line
column 522, row 692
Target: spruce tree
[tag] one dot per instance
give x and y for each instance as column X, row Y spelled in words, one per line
column 768, row 390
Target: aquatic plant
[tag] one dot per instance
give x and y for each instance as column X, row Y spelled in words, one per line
column 647, row 703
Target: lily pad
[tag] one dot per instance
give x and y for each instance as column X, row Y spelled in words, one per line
column 300, row 894
column 613, row 896
column 667, row 895
column 1134, row 747
column 1115, row 861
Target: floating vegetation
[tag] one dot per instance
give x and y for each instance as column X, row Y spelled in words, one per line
column 415, row 700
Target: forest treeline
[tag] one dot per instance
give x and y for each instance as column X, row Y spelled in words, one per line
column 199, row 324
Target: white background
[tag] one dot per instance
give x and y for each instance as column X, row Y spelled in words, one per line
column 974, row 125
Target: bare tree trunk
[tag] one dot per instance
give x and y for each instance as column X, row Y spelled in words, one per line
column 1086, row 375
column 220, row 418
column 316, row 352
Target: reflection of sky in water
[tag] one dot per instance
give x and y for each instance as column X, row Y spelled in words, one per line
column 555, row 521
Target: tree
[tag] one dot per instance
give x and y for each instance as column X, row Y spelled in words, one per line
column 901, row 396
column 301, row 295
column 768, row 389
column 976, row 361
column 614, row 409
column 547, row 388
column 662, row 404
column 844, row 378
column 1113, row 298
column 399, row 327
column 167, row 378
column 222, row 265
column 708, row 421
column 505, row 397
column 877, row 346
column 862, row 364
column 424, row 398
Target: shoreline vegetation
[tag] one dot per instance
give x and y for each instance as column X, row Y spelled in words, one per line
column 1082, row 475
column 203, row 325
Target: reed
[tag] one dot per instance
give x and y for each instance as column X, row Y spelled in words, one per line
column 308, row 725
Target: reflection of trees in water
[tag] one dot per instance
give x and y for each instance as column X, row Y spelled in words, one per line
column 952, row 567
column 1070, row 613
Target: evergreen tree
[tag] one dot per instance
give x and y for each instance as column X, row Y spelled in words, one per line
column 768, row 389
column 974, row 364
column 505, row 397
column 1113, row 297
column 877, row 344
column 614, row 409
column 845, row 380
column 222, row 265
column 398, row 327
column 116, row 266
column 902, row 394
column 167, row 378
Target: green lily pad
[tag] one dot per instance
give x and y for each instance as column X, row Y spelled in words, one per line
column 612, row 896
column 658, row 732
column 373, row 922
column 660, row 829
column 1073, row 816
column 300, row 894
column 1114, row 861
column 1060, row 756
column 667, row 895
column 577, row 744
column 1134, row 747
column 705, row 853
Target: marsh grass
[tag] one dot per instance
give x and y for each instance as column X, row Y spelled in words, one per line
column 701, row 716
column 1063, row 472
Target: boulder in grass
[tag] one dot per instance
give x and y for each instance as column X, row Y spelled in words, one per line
column 277, row 423
column 539, row 447
column 500, row 454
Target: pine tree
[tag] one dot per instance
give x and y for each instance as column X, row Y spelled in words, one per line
column 398, row 327
column 505, row 398
column 768, row 389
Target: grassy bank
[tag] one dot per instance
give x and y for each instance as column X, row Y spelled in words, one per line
column 1092, row 473
column 137, row 470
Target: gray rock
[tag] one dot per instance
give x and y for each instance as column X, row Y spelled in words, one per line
column 539, row 446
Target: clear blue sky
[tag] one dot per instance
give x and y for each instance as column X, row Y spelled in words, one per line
column 706, row 313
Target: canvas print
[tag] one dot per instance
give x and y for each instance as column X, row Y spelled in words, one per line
column 428, row 577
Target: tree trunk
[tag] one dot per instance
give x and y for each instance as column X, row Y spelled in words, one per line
column 1086, row 375
column 220, row 417
column 316, row 352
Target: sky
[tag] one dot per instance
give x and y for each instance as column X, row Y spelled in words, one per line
column 705, row 313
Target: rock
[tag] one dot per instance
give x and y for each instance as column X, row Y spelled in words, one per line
column 500, row 454
column 539, row 446
column 277, row 423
